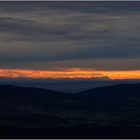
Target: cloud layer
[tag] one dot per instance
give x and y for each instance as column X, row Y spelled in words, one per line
column 47, row 35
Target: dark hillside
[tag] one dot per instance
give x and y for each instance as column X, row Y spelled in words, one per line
column 104, row 112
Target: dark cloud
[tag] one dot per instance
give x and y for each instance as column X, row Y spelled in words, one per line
column 49, row 32
column 89, row 6
column 29, row 30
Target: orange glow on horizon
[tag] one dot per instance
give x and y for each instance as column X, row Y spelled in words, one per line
column 69, row 73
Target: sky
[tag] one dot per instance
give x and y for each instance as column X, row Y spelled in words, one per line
column 70, row 40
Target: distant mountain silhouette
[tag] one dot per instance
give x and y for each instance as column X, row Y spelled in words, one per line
column 95, row 113
column 24, row 93
column 16, row 89
column 114, row 89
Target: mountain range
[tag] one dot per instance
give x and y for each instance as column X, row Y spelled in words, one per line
column 101, row 112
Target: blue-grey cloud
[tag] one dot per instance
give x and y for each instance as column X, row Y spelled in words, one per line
column 100, row 6
column 52, row 32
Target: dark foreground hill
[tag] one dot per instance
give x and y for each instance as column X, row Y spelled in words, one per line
column 104, row 112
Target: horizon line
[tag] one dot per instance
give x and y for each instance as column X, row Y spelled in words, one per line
column 71, row 73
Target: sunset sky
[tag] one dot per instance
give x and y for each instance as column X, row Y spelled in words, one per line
column 70, row 40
